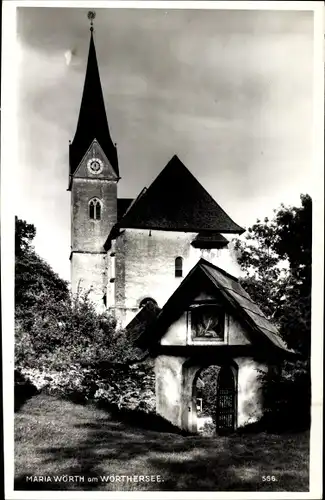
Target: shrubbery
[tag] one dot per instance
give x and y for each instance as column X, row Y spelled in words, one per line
column 64, row 346
column 79, row 354
column 276, row 257
column 123, row 386
column 287, row 397
column 63, row 334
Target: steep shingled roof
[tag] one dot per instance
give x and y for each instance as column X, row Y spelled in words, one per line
column 176, row 201
column 234, row 296
column 122, row 205
column 92, row 122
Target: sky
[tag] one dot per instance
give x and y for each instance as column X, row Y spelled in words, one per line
column 229, row 92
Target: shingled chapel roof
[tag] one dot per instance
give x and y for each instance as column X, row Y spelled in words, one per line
column 92, row 122
column 176, row 201
column 234, row 296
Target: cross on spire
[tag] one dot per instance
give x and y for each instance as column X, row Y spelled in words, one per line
column 92, row 122
column 91, row 15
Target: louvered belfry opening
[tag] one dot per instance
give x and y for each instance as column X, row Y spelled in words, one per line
column 226, row 401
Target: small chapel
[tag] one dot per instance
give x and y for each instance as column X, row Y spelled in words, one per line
column 160, row 263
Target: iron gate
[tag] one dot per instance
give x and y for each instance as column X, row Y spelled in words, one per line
column 226, row 401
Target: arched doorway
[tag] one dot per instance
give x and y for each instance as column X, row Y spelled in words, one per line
column 226, row 400
column 213, row 385
column 147, row 300
column 205, row 396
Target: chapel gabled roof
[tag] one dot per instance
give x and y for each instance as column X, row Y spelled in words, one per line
column 92, row 121
column 176, row 201
column 236, row 298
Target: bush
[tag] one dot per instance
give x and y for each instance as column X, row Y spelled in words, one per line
column 62, row 334
column 72, row 351
column 125, row 387
column 24, row 389
column 64, row 346
column 287, row 397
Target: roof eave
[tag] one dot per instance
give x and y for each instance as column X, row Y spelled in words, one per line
column 190, row 229
column 206, row 245
column 115, row 232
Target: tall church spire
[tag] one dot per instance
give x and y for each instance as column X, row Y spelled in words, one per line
column 92, row 121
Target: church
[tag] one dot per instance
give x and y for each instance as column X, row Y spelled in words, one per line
column 129, row 251
column 158, row 263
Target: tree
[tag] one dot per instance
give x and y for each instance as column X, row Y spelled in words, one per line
column 53, row 328
column 24, row 235
column 64, row 345
column 276, row 260
column 37, row 287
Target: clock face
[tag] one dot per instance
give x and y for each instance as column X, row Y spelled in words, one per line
column 95, row 165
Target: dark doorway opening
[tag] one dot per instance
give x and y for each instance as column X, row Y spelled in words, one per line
column 212, row 403
column 205, row 393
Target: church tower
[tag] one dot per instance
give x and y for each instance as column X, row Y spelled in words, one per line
column 93, row 179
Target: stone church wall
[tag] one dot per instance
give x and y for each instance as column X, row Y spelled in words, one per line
column 86, row 234
column 150, row 264
column 87, row 272
column 120, row 270
column 145, row 266
column 88, row 259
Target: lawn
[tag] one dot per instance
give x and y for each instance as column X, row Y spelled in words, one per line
column 54, row 437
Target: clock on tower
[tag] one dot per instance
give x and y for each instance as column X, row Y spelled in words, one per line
column 95, row 166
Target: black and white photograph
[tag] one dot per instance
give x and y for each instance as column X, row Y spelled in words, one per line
column 162, row 208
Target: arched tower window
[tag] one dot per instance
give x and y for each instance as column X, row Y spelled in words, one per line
column 95, row 209
column 178, row 267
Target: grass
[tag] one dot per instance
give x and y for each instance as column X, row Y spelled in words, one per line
column 54, row 437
